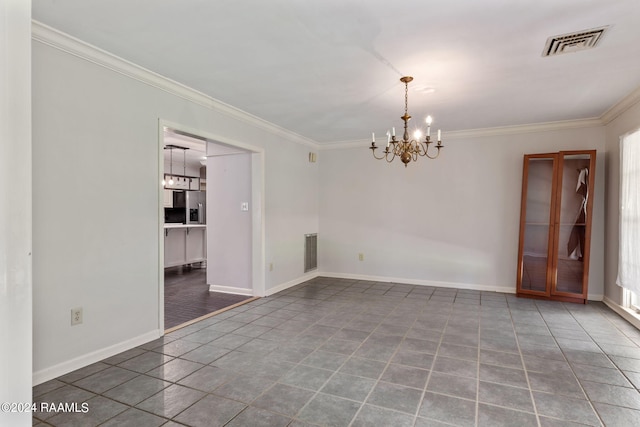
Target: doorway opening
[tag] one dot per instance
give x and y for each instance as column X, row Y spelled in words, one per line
column 208, row 235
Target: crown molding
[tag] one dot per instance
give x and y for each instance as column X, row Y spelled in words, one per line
column 64, row 42
column 625, row 103
column 523, row 129
column 487, row 132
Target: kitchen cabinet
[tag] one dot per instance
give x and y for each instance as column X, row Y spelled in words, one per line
column 194, row 184
column 196, row 245
column 168, row 198
column 175, row 241
column 555, row 225
column 184, row 244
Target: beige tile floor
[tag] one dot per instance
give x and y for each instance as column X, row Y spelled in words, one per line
column 339, row 352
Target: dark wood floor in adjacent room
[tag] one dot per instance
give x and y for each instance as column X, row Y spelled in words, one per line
column 187, row 296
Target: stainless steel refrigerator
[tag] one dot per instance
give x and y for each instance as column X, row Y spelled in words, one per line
column 195, row 204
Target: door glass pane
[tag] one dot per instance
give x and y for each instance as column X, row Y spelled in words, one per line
column 572, row 227
column 536, row 231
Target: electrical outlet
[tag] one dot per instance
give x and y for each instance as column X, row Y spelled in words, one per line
column 271, row 266
column 361, row 256
column 244, row 206
column 76, row 316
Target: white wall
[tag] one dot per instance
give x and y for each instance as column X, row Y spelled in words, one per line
column 96, row 217
column 625, row 123
column 229, row 229
column 453, row 221
column 15, row 209
column 291, row 210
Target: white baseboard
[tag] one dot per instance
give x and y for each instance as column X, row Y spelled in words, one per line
column 595, row 297
column 63, row 368
column 231, row 290
column 471, row 286
column 625, row 313
column 283, row 286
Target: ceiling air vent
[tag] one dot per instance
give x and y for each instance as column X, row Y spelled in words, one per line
column 573, row 42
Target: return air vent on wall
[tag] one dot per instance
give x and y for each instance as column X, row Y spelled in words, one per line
column 573, row 42
column 310, row 252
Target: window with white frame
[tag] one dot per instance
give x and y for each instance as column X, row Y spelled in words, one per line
column 629, row 246
column 633, row 302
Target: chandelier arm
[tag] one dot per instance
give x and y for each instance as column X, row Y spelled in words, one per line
column 393, row 156
column 422, row 148
column 433, row 157
column 379, row 158
column 373, row 149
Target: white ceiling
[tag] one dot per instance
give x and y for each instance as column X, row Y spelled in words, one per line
column 329, row 69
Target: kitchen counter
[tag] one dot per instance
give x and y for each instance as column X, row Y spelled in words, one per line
column 184, row 244
column 173, row 225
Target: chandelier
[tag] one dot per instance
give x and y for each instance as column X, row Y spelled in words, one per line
column 407, row 149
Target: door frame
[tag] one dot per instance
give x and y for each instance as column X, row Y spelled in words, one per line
column 257, row 213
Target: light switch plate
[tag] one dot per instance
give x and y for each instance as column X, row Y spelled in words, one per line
column 244, row 206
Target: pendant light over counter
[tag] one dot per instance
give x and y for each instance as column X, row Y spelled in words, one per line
column 171, row 180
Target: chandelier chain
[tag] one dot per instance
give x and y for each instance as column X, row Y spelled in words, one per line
column 406, row 98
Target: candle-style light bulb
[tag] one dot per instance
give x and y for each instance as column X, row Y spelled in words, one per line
column 373, row 137
column 439, row 135
column 393, row 131
column 388, row 138
column 429, row 120
column 417, row 134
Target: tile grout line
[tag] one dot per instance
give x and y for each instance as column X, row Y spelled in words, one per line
column 604, row 353
column 524, row 366
column 317, row 392
column 433, row 363
column 364, row 401
column 176, row 382
column 569, row 363
column 353, row 354
column 599, row 346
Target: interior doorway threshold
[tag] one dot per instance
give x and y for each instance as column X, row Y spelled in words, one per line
column 208, row 315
